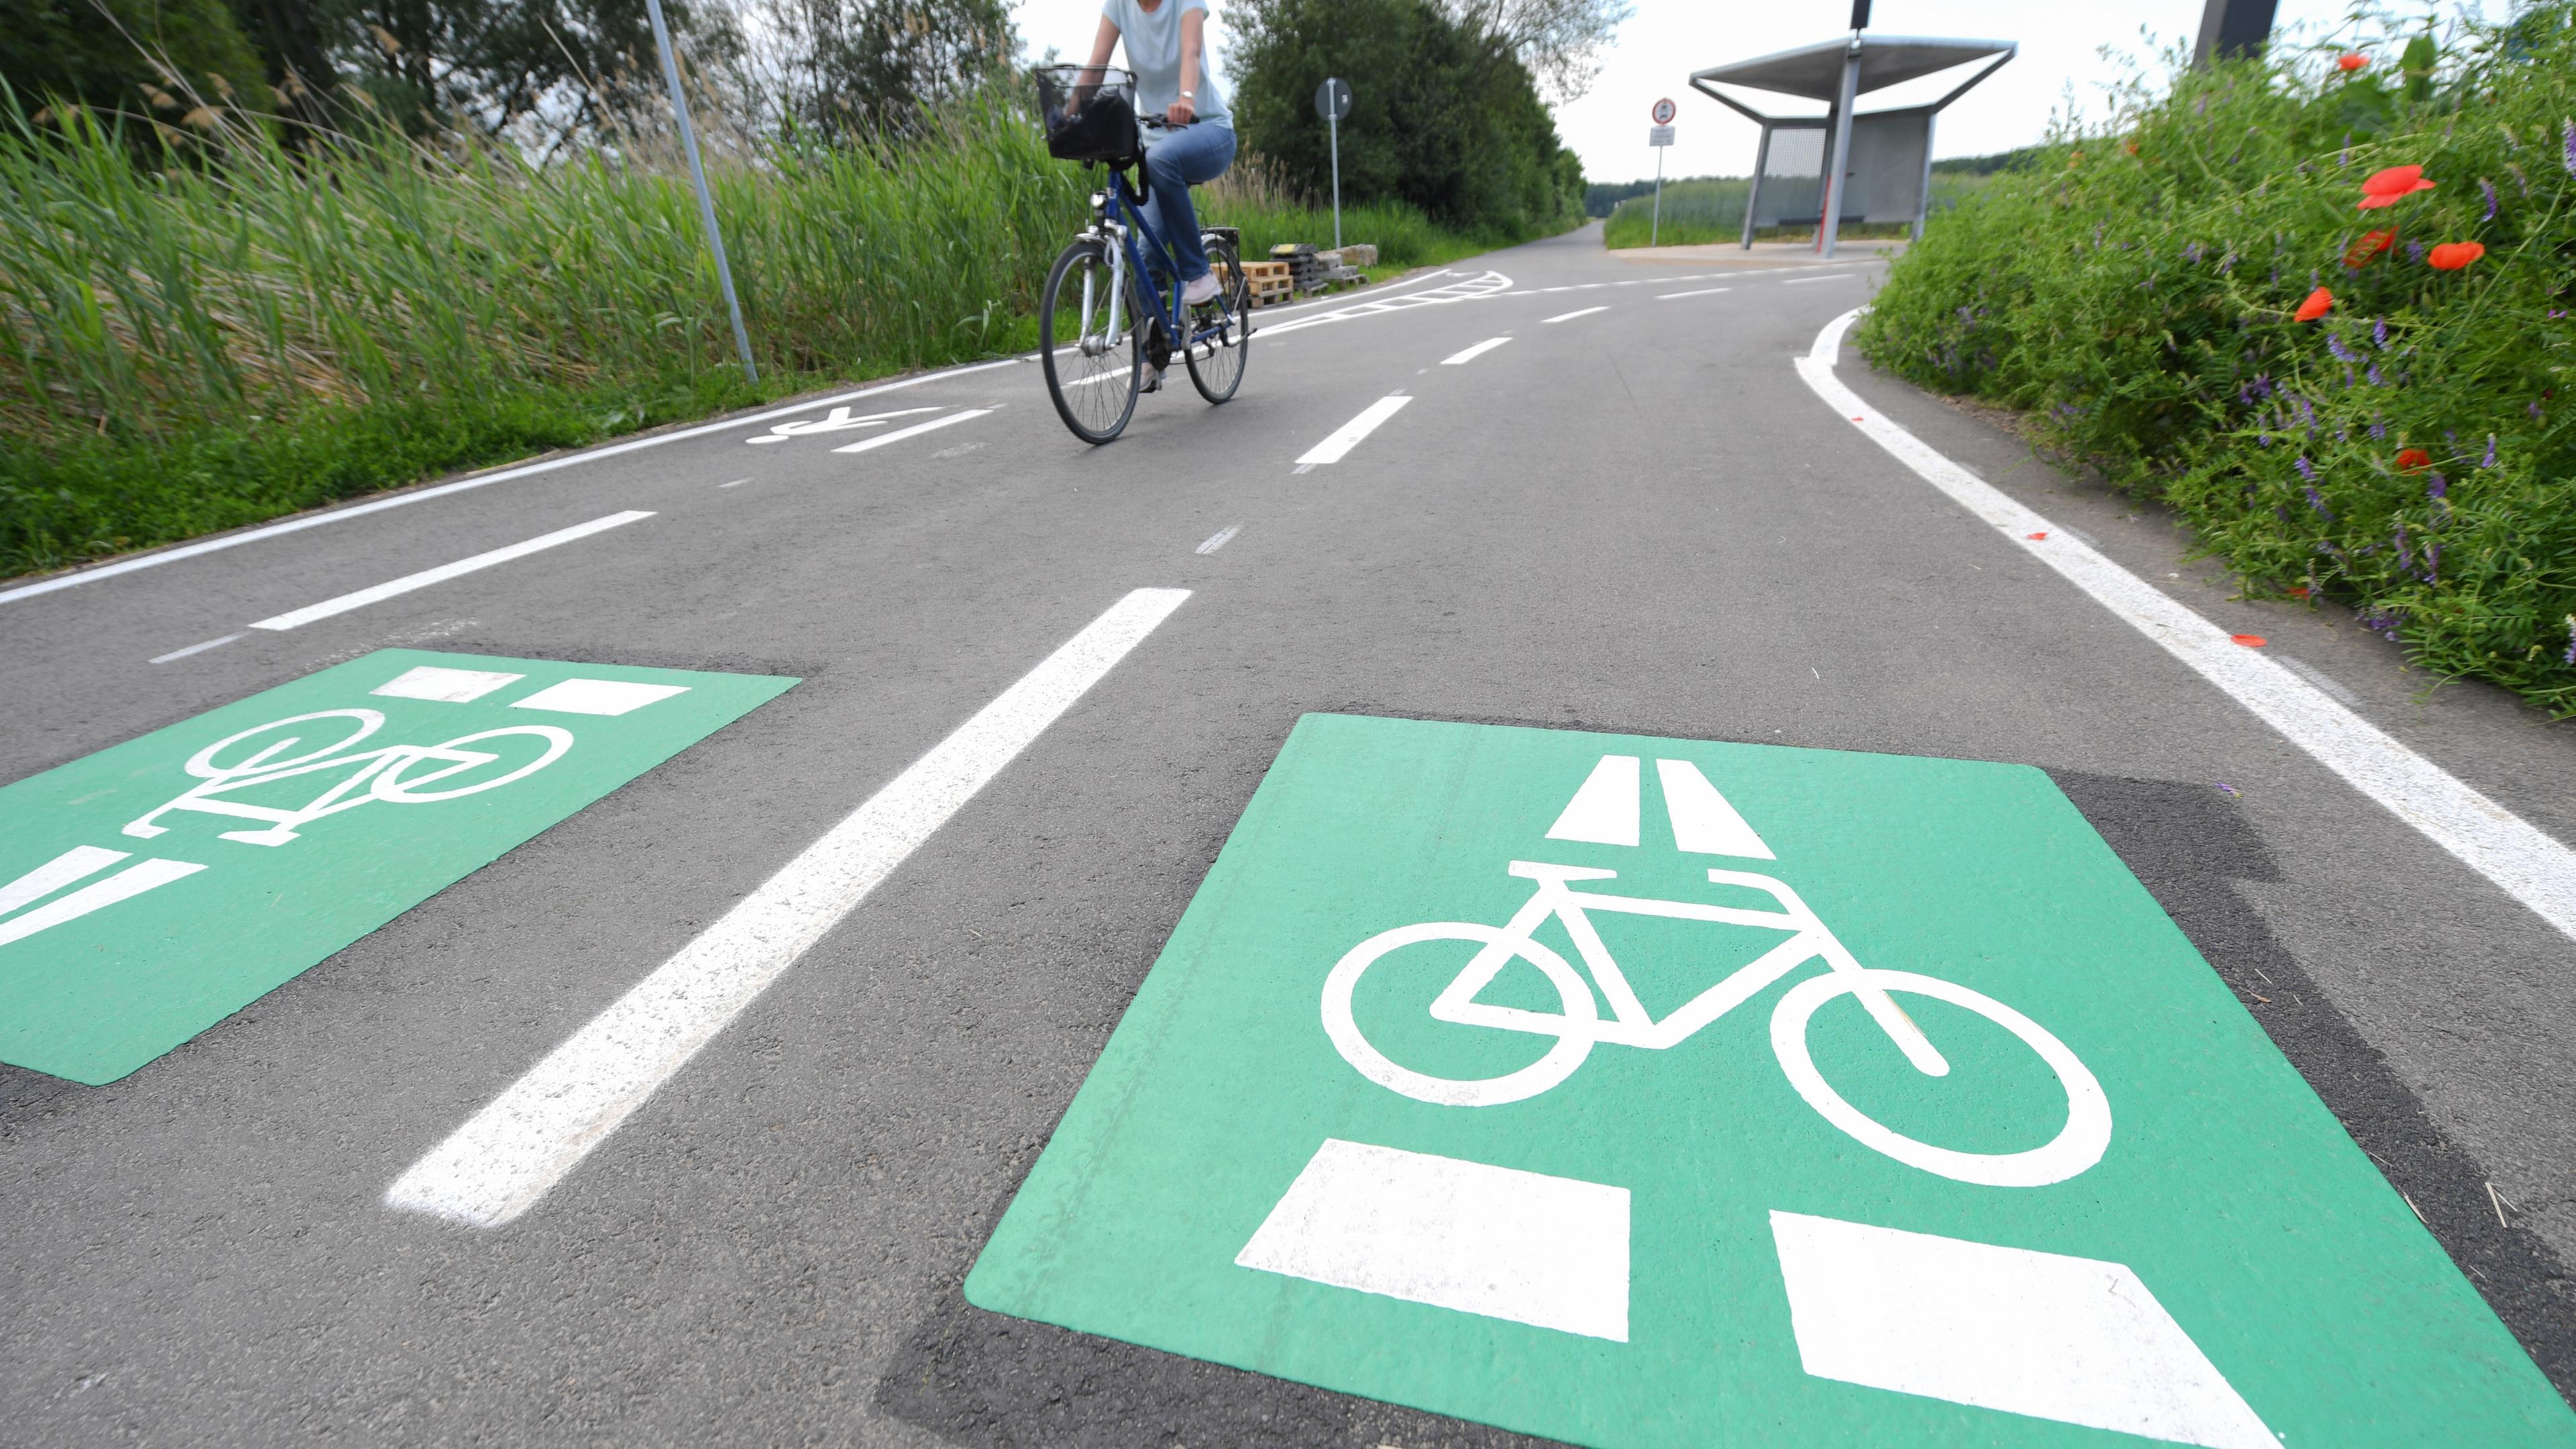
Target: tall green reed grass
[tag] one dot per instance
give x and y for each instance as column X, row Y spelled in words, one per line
column 2410, row 455
column 245, row 332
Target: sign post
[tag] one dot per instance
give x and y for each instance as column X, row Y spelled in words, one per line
column 1332, row 102
column 698, row 175
column 1661, row 138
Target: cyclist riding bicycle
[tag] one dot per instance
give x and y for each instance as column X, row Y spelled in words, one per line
column 1189, row 135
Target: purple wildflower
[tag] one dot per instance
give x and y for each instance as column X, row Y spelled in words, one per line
column 2262, row 440
column 2317, row 501
column 2379, row 334
column 2415, row 250
column 2405, row 559
column 2488, row 189
column 2378, row 428
column 2567, row 148
column 2436, row 486
column 2489, row 460
column 2535, row 409
column 2335, row 345
column 2306, row 469
column 2520, row 181
column 2194, row 252
column 2227, row 263
column 2374, row 376
column 2571, row 638
column 2432, row 563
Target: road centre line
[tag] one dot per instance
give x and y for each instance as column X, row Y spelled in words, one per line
column 1570, row 316
column 1827, row 277
column 1220, row 538
column 1702, row 292
column 337, row 515
column 195, row 649
column 2524, row 861
column 1471, row 354
column 297, row 618
column 738, row 482
column 506, row 1157
column 916, row 430
column 1349, row 434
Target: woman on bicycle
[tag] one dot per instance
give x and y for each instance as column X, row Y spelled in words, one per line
column 1189, row 135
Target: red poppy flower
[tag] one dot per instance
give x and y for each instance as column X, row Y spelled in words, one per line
column 2383, row 188
column 2369, row 244
column 2451, row 256
column 2410, row 460
column 2351, row 60
column 2301, row 592
column 2319, row 303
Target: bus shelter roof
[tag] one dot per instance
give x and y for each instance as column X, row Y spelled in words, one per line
column 1815, row 72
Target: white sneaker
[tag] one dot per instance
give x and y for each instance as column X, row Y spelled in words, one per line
column 1153, row 379
column 1204, row 289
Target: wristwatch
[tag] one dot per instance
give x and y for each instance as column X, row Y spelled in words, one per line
column 1189, row 95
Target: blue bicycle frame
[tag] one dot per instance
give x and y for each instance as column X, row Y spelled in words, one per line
column 1122, row 215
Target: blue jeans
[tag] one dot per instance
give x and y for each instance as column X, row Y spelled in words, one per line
column 1182, row 160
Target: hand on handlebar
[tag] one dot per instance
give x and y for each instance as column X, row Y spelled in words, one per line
column 1179, row 113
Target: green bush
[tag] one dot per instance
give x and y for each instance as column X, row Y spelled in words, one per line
column 2408, row 454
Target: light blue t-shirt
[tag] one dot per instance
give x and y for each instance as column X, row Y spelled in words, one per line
column 1154, row 53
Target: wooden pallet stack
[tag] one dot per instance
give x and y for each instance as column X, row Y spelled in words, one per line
column 1269, row 283
column 1304, row 264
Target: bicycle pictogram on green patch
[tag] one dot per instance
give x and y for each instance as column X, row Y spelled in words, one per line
column 153, row 888
column 1797, row 1097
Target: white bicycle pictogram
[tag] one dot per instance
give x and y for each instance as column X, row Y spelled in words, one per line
column 1580, row 1027
column 387, row 774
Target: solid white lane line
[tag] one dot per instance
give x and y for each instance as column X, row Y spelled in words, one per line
column 1348, row 435
column 738, row 482
column 441, row 574
column 1702, row 292
column 1570, row 316
column 2525, row 862
column 1556, row 289
column 1827, row 277
column 1471, row 354
column 915, row 431
column 338, row 515
column 1220, row 538
column 194, row 649
column 508, row 1155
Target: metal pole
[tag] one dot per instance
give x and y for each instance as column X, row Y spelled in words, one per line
column 698, row 175
column 1831, row 228
column 1753, row 193
column 1333, row 126
column 1655, row 233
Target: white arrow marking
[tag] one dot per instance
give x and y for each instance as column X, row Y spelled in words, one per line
column 55, row 874
column 1604, row 811
column 1703, row 823
column 134, row 880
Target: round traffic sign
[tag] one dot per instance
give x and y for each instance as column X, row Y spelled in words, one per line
column 1333, row 100
column 1664, row 112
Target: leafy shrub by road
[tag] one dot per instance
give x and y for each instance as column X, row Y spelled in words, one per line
column 2357, row 403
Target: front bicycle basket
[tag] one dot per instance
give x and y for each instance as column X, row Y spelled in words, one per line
column 1090, row 115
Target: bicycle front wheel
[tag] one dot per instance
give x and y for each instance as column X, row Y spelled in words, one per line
column 1092, row 383
column 1574, row 1036
column 1221, row 371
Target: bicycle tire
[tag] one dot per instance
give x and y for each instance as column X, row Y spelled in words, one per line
column 2075, row 1148
column 1342, row 1026
column 1096, row 401
column 1218, row 377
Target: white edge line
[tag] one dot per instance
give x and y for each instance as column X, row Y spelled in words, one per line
column 392, row 588
column 194, row 649
column 1220, row 538
column 1570, row 316
column 357, row 510
column 1472, row 353
column 1702, row 292
column 2524, row 861
column 916, row 430
column 1827, row 277
column 507, row 1156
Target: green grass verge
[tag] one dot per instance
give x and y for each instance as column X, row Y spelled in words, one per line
column 2408, row 454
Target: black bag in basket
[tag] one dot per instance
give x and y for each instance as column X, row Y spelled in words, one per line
column 1091, row 119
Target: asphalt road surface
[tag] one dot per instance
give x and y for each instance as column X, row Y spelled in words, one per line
column 1633, row 515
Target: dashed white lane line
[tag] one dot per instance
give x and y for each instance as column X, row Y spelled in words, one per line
column 507, row 1156
column 1570, row 316
column 1827, row 277
column 1348, row 435
column 196, row 648
column 738, row 482
column 361, row 510
column 297, row 618
column 1460, row 359
column 1702, row 292
column 915, row 431
column 2525, row 862
column 1220, row 538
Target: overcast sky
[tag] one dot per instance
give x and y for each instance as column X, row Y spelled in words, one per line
column 2061, row 43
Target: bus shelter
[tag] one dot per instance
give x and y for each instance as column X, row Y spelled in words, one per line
column 1876, row 169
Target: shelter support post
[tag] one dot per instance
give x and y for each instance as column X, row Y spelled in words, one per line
column 1829, row 228
column 1753, row 194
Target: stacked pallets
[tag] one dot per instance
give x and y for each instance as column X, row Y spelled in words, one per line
column 1268, row 282
column 1305, row 265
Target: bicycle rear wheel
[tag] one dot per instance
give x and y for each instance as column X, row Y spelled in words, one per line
column 1092, row 383
column 1221, row 373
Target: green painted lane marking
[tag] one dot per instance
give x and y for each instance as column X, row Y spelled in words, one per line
column 156, row 887
column 1657, row 1092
